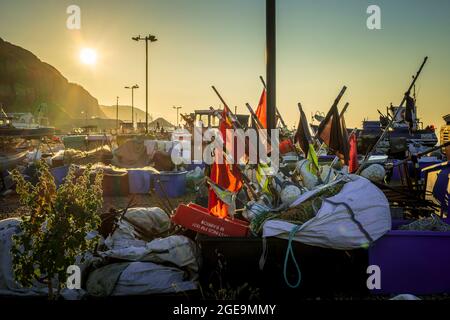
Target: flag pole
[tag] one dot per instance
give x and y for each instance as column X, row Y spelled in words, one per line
column 234, row 118
column 254, row 117
column 300, row 108
column 335, row 103
column 340, row 116
column 344, row 110
column 253, row 194
column 278, row 114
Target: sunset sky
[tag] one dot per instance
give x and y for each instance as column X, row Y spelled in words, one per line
column 321, row 46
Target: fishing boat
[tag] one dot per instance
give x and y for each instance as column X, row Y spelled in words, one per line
column 403, row 136
column 10, row 129
column 13, row 137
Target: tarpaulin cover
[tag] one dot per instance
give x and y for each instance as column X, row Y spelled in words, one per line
column 131, row 154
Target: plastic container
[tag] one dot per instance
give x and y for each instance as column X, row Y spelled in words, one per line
column 197, row 218
column 193, row 165
column 75, row 142
column 415, row 262
column 427, row 162
column 140, row 180
column 173, row 183
column 115, row 184
column 59, row 174
column 324, row 272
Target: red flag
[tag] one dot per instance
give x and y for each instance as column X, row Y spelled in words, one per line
column 353, row 161
column 225, row 175
column 261, row 111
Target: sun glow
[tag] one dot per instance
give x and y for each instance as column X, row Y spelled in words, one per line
column 88, row 56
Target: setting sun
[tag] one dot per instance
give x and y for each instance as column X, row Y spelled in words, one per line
column 88, row 56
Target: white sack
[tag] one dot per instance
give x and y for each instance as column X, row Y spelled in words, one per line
column 177, row 250
column 154, row 221
column 332, row 227
column 142, row 278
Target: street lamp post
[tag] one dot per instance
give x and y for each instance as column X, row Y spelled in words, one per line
column 117, row 114
column 178, row 108
column 132, row 102
column 148, row 38
column 85, row 117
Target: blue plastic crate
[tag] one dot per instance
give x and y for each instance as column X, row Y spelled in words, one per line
column 173, row 183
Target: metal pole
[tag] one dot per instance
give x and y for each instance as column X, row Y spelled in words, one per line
column 117, row 113
column 271, row 62
column 147, row 38
column 230, row 113
column 344, row 109
column 146, row 84
column 132, row 107
column 177, row 108
column 276, row 109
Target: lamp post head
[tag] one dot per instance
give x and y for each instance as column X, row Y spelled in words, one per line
column 135, row 86
column 127, row 87
column 136, row 38
column 152, row 38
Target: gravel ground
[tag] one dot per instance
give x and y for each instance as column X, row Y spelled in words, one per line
column 10, row 207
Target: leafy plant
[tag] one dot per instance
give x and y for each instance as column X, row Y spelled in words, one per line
column 54, row 233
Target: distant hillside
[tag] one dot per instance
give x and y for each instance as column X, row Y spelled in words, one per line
column 162, row 123
column 26, row 83
column 124, row 113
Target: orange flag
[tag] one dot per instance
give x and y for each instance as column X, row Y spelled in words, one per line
column 225, row 175
column 261, row 111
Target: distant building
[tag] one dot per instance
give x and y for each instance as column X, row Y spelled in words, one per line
column 127, row 127
column 102, row 125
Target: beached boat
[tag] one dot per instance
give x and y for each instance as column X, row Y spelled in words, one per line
column 12, row 136
column 403, row 136
column 9, row 129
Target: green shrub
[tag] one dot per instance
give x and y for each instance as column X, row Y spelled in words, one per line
column 54, row 232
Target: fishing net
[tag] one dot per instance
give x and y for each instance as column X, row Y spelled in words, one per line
column 433, row 223
column 298, row 214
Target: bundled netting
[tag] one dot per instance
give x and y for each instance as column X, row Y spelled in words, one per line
column 433, row 223
column 298, row 214
column 72, row 156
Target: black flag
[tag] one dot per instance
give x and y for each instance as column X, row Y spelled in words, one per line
column 410, row 111
column 303, row 136
column 333, row 132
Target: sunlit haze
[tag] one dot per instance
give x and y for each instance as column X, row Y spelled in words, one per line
column 321, row 46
